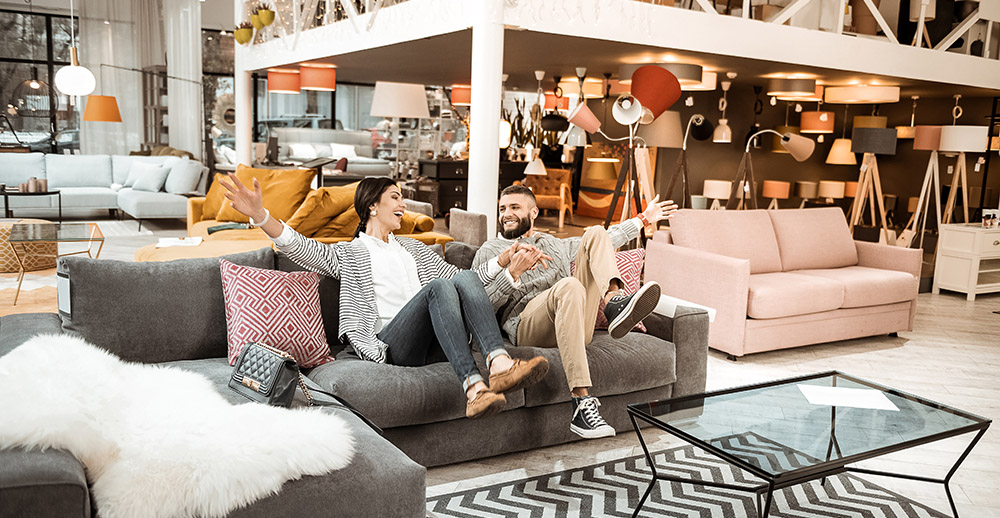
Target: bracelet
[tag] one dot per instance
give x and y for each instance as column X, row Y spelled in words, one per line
column 267, row 216
column 643, row 219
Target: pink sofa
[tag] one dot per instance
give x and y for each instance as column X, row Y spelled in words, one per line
column 784, row 278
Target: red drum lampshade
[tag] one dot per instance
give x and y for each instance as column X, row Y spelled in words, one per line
column 927, row 138
column 319, row 79
column 461, row 95
column 655, row 88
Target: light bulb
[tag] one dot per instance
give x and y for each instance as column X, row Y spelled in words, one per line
column 774, row 101
column 75, row 80
column 34, row 85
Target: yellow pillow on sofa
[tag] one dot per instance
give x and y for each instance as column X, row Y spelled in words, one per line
column 343, row 225
column 320, row 206
column 283, row 190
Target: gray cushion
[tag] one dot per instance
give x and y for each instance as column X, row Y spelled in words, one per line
column 183, row 177
column 144, row 205
column 19, row 328
column 148, row 177
column 391, row 395
column 88, row 198
column 42, row 484
column 635, row 362
column 16, row 168
column 78, row 170
column 460, row 254
column 153, row 311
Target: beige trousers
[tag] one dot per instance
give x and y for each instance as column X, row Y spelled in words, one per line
column 567, row 310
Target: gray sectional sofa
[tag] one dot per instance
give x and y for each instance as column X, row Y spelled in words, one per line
column 421, row 409
column 92, row 182
column 291, row 142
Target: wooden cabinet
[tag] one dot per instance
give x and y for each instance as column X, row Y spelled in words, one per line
column 968, row 260
column 452, row 177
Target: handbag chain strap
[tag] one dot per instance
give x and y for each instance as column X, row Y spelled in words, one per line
column 305, row 390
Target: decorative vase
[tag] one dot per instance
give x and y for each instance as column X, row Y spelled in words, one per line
column 243, row 35
column 266, row 16
column 255, row 20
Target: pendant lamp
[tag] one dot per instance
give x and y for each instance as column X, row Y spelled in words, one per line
column 840, row 151
column 723, row 133
column 74, row 79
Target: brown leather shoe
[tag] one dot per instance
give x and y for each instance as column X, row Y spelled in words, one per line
column 520, row 375
column 485, row 404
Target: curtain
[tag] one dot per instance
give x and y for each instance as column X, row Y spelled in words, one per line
column 182, row 31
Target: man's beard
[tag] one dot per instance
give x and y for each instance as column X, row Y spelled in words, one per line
column 523, row 226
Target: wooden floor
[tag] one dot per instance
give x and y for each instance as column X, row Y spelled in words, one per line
column 952, row 356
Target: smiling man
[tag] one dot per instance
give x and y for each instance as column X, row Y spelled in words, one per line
column 550, row 306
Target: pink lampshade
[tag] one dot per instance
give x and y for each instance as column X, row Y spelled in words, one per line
column 927, row 138
column 775, row 189
column 583, row 117
column 655, row 88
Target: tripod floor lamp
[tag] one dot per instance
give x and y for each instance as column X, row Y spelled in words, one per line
column 962, row 140
column 744, row 193
column 872, row 142
column 925, row 138
column 701, row 129
column 654, row 89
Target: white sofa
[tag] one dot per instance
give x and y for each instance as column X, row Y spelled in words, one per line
column 304, row 144
column 92, row 182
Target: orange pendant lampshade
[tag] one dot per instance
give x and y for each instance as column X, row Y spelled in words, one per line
column 556, row 103
column 850, row 189
column 817, row 122
column 655, row 88
column 461, row 95
column 102, row 108
column 775, row 189
column 319, row 79
column 283, row 82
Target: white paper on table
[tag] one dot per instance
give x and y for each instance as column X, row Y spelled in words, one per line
column 668, row 305
column 849, row 397
column 167, row 242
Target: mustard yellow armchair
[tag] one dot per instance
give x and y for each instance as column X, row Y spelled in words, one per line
column 552, row 191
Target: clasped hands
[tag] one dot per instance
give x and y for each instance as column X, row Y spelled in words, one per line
column 519, row 258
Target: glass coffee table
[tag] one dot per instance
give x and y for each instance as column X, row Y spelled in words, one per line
column 791, row 431
column 22, row 234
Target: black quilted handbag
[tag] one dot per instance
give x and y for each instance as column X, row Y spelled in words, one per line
column 267, row 375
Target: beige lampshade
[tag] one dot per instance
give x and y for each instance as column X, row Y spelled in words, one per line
column 816, row 96
column 995, row 144
column 603, row 170
column 850, row 189
column 665, row 131
column 776, row 146
column 929, row 12
column 831, row 189
column 927, row 138
column 806, row 189
column 817, row 122
column 911, row 206
column 717, row 189
column 840, row 153
column 870, row 121
column 406, row 100
column 906, row 132
column 776, row 189
column 971, row 139
column 861, row 94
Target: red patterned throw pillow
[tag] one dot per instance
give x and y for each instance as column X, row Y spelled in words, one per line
column 630, row 269
column 278, row 308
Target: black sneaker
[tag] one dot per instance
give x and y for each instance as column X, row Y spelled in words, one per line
column 625, row 311
column 587, row 421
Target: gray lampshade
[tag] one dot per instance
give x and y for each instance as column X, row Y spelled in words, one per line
column 880, row 141
column 665, row 131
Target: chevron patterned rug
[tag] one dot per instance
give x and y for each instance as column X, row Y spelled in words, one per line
column 613, row 489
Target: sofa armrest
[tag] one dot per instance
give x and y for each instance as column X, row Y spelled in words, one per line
column 885, row 257
column 17, row 329
column 194, row 211
column 688, row 331
column 712, row 280
column 468, row 227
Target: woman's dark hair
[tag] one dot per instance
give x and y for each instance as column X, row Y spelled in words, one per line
column 368, row 193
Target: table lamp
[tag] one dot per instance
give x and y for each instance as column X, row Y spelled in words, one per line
column 872, row 142
column 831, row 190
column 717, row 190
column 925, row 138
column 962, row 139
column 806, row 191
column 776, row 191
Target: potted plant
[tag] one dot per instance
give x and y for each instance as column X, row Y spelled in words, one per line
column 265, row 13
column 255, row 18
column 243, row 33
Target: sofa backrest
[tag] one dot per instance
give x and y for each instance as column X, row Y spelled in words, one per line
column 17, row 168
column 150, row 311
column 78, row 170
column 122, row 164
column 361, row 140
column 743, row 234
column 813, row 238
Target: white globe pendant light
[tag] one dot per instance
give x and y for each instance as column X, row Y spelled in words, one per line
column 73, row 79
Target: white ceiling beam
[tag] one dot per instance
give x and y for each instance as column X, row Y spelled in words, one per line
column 958, row 31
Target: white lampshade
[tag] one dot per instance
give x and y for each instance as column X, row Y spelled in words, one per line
column 707, row 84
column 831, row 189
column 717, row 189
column 535, row 167
column 75, row 80
column 840, row 153
column 406, row 100
column 576, row 136
column 627, row 110
column 971, row 139
column 723, row 134
column 665, row 131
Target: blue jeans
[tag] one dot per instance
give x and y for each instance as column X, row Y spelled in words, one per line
column 439, row 318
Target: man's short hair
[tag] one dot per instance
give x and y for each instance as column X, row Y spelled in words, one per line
column 519, row 189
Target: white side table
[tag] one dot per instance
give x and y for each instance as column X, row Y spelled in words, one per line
column 968, row 260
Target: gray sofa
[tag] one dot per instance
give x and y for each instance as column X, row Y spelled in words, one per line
column 88, row 182
column 319, row 140
column 421, row 409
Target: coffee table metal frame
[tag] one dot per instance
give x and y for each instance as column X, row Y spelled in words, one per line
column 6, row 201
column 806, row 474
column 95, row 235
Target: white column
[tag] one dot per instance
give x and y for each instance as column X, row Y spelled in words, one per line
column 185, row 109
column 243, row 95
column 487, row 69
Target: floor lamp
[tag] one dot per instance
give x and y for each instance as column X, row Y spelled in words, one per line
column 745, row 194
column 872, row 142
column 926, row 138
column 962, row 139
column 700, row 124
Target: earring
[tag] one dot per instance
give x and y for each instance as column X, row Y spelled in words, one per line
column 374, row 213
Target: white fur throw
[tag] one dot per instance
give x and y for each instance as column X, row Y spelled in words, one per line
column 158, row 441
